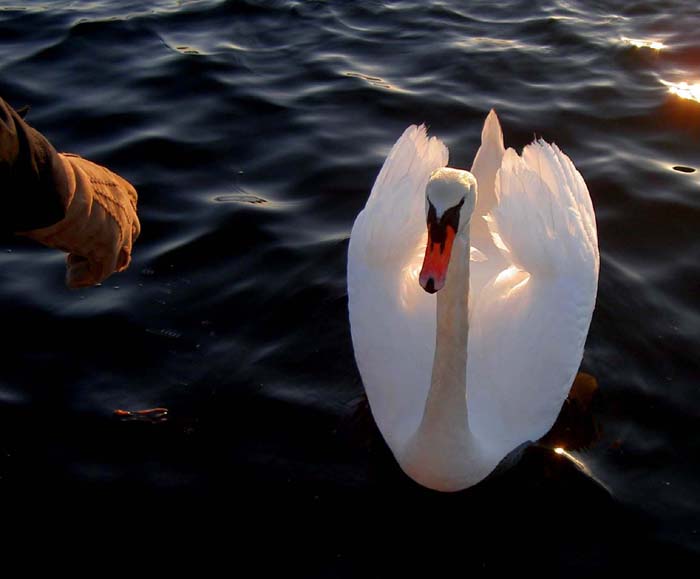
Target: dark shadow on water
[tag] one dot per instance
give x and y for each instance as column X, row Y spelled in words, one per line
column 188, row 486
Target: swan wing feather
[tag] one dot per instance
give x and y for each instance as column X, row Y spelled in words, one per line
column 529, row 326
column 543, row 221
column 395, row 210
column 392, row 320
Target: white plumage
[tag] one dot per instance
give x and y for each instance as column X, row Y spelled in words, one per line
column 532, row 283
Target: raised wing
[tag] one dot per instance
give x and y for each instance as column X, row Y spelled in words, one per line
column 530, row 324
column 486, row 164
column 392, row 319
column 395, row 210
column 543, row 221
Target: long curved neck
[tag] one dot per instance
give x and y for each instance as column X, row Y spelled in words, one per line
column 446, row 405
column 442, row 454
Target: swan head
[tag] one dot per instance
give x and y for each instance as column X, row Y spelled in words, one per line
column 450, row 198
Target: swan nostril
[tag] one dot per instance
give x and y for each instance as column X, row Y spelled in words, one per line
column 430, row 286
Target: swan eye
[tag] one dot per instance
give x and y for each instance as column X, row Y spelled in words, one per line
column 449, row 218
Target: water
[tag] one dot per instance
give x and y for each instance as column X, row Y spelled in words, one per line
column 253, row 132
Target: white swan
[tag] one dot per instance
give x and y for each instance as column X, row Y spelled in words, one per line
column 458, row 379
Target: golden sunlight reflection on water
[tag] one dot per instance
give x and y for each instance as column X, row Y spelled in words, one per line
column 642, row 43
column 684, row 90
column 561, row 452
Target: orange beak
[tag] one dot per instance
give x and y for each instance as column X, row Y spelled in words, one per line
column 441, row 236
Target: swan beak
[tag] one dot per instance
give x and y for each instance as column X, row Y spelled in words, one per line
column 433, row 274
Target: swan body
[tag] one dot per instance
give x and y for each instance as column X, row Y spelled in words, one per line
column 470, row 297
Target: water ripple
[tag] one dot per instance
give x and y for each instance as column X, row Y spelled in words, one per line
column 253, row 132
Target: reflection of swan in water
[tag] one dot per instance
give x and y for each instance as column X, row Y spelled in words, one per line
column 458, row 380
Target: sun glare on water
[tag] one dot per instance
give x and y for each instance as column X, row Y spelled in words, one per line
column 561, row 452
column 684, row 90
column 641, row 43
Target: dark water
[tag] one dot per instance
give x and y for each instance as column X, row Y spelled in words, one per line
column 253, row 132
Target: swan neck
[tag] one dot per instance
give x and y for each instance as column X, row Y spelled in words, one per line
column 442, row 454
column 446, row 406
